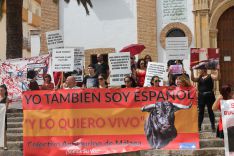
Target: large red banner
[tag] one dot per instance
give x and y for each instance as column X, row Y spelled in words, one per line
column 103, row 121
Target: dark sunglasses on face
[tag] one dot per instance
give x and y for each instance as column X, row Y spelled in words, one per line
column 156, row 80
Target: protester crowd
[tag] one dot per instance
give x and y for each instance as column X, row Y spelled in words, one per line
column 98, row 77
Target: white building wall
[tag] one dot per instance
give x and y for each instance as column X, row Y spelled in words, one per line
column 111, row 24
column 161, row 23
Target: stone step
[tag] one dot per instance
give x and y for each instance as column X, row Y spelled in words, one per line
column 207, row 120
column 10, row 115
column 15, row 130
column 14, row 137
column 215, row 150
column 207, row 135
column 216, row 113
column 14, row 125
column 15, row 119
column 14, row 111
column 199, row 152
column 207, row 127
column 207, row 143
column 15, row 145
column 11, row 152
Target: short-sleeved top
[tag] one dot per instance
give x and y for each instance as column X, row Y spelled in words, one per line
column 101, row 69
column 3, row 100
column 49, row 86
column 33, row 85
column 141, row 78
column 205, row 85
column 90, row 81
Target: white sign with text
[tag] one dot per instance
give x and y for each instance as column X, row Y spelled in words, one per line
column 227, row 108
column 78, row 64
column 63, row 60
column 54, row 39
column 177, row 48
column 155, row 69
column 119, row 64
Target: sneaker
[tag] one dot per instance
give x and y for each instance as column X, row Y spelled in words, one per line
column 5, row 148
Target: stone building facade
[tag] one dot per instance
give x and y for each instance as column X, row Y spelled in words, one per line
column 203, row 32
column 31, row 15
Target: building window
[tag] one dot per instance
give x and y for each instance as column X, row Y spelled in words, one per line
column 175, row 33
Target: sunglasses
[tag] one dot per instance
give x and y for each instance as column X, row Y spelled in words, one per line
column 156, row 80
column 100, row 78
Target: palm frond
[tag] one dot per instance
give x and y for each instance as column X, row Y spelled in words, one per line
column 83, row 2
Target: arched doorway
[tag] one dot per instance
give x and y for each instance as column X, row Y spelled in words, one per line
column 225, row 42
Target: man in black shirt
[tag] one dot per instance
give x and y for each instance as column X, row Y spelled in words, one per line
column 101, row 67
column 90, row 80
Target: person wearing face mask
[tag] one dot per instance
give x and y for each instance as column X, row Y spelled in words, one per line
column 206, row 96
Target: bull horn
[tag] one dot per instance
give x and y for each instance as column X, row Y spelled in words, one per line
column 182, row 106
column 147, row 108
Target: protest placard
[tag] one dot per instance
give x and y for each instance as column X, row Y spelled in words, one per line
column 176, row 69
column 204, row 58
column 63, row 60
column 119, row 64
column 227, row 108
column 13, row 73
column 79, row 57
column 177, row 48
column 40, row 69
column 54, row 39
column 155, row 69
column 105, row 121
column 2, row 123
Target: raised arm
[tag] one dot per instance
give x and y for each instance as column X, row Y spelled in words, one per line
column 193, row 78
column 215, row 75
column 216, row 104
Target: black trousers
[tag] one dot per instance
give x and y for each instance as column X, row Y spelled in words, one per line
column 206, row 99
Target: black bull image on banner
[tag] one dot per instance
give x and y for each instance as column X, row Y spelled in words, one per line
column 159, row 127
